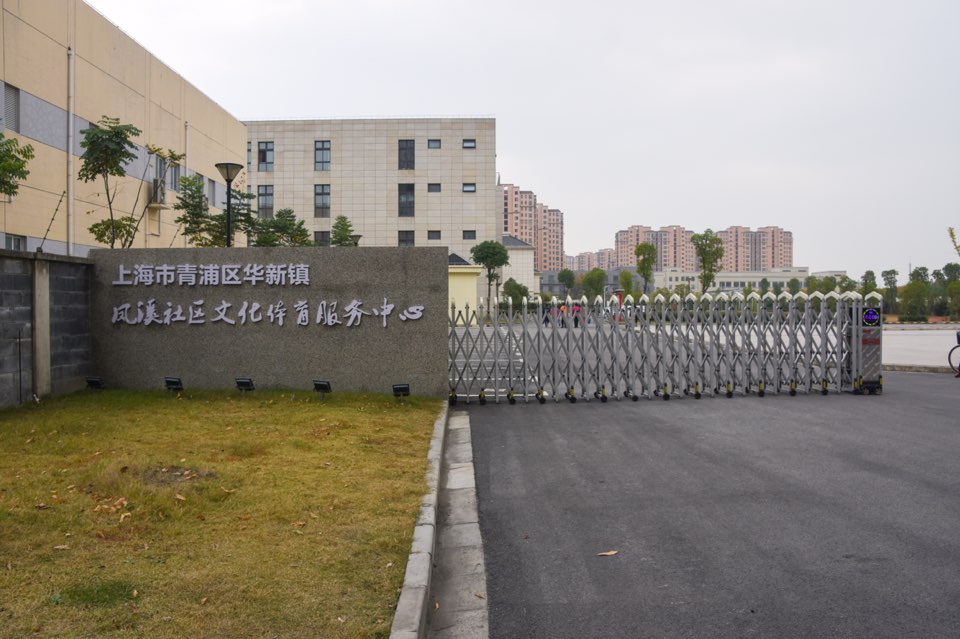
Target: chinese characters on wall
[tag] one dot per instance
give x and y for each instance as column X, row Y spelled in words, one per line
column 301, row 312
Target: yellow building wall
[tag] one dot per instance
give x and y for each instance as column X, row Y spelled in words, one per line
column 113, row 76
column 463, row 285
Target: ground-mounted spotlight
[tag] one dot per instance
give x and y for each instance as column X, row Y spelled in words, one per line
column 173, row 383
column 95, row 383
column 400, row 391
column 245, row 384
column 322, row 386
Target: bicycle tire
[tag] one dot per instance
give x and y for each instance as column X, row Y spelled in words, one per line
column 953, row 358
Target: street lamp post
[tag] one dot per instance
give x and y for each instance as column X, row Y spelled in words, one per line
column 229, row 171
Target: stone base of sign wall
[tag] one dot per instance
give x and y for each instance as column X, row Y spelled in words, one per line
column 181, row 312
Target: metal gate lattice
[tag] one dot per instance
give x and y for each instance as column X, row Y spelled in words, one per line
column 711, row 345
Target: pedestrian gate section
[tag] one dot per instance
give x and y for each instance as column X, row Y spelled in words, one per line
column 713, row 345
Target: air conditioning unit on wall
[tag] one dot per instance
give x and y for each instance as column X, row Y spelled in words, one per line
column 158, row 195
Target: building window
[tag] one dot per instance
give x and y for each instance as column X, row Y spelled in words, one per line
column 11, row 107
column 265, row 201
column 469, row 235
column 469, row 187
column 407, row 155
column 405, row 238
column 249, row 156
column 212, row 194
column 433, row 144
column 469, row 143
column 405, row 202
column 265, row 156
column 321, row 200
column 15, row 243
column 321, row 155
column 433, row 188
column 321, row 238
column 172, row 177
column 433, row 235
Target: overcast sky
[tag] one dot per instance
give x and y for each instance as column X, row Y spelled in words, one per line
column 838, row 120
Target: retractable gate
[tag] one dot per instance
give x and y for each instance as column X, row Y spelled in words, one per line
column 711, row 345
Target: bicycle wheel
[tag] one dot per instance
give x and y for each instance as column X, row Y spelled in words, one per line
column 954, row 358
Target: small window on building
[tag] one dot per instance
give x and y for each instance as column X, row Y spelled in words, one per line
column 469, row 143
column 469, row 187
column 433, row 188
column 433, row 144
column 321, row 238
column 212, row 195
column 15, row 242
column 265, row 156
column 433, row 235
column 469, row 235
column 11, row 107
column 321, row 200
column 405, row 238
column 405, row 200
column 407, row 154
column 173, row 175
column 265, row 201
column 321, row 155
column 249, row 155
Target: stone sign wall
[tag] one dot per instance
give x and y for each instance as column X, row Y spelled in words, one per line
column 361, row 318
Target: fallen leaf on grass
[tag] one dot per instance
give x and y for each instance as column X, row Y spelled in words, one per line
column 204, row 601
column 341, row 620
column 180, row 497
column 124, row 516
column 62, row 547
column 228, row 490
column 43, row 507
column 298, row 524
column 608, row 553
column 135, row 594
column 101, row 534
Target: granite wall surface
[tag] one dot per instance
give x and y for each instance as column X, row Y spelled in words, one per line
column 362, row 318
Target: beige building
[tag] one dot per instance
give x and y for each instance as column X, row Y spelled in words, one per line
column 401, row 182
column 65, row 66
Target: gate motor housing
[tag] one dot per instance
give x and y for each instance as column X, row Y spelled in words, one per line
column 871, row 320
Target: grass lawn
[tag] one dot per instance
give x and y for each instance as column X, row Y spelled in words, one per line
column 208, row 515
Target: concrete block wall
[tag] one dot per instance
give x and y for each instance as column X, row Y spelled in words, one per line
column 71, row 350
column 16, row 330
column 45, row 342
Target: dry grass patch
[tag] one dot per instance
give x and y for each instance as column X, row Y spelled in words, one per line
column 208, row 515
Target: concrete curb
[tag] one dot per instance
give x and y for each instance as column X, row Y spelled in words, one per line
column 911, row 368
column 410, row 617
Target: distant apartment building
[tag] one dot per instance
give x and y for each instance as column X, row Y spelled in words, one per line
column 401, row 182
column 626, row 243
column 534, row 223
column 767, row 248
column 548, row 240
column 64, row 67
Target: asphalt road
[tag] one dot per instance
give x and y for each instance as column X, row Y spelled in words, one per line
column 808, row 516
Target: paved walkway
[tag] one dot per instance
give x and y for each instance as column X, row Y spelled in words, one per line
column 927, row 346
column 784, row 517
column 459, row 585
